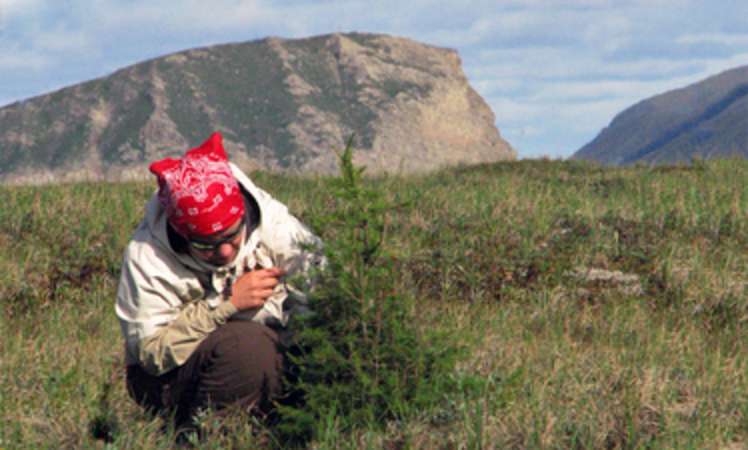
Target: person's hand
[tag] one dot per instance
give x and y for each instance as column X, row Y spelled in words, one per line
column 253, row 288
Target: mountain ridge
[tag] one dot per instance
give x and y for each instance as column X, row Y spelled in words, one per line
column 706, row 119
column 282, row 105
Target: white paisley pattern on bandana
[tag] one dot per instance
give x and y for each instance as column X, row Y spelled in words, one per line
column 199, row 191
column 193, row 177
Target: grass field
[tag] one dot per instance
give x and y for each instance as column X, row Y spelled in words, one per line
column 601, row 308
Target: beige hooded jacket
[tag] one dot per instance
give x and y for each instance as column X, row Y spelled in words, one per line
column 168, row 302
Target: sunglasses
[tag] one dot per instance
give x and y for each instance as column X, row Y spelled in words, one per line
column 212, row 246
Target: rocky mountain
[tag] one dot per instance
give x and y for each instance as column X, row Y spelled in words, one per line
column 708, row 119
column 284, row 105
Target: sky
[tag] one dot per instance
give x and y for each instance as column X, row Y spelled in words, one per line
column 554, row 72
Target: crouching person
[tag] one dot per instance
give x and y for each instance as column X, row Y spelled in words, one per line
column 202, row 297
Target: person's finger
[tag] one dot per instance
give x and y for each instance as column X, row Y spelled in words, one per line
column 263, row 294
column 272, row 272
column 255, row 275
column 268, row 282
column 260, row 297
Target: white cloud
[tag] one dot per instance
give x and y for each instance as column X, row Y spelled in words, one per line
column 509, row 111
column 591, row 116
column 546, row 63
column 198, row 17
column 10, row 9
column 713, row 38
column 720, row 65
column 524, row 131
column 495, row 86
column 56, row 41
column 575, row 92
column 23, row 61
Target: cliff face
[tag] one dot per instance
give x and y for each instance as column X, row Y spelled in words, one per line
column 708, row 119
column 284, row 105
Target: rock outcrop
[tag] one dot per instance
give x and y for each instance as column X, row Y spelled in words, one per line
column 282, row 105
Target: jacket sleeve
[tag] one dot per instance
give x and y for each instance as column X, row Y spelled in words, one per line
column 160, row 323
column 172, row 344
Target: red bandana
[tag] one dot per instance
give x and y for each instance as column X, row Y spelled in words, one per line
column 199, row 192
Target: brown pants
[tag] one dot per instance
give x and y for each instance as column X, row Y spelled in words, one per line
column 238, row 364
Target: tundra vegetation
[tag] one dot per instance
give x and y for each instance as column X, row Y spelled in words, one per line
column 551, row 304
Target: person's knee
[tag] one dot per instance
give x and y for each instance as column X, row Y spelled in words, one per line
column 244, row 365
column 246, row 345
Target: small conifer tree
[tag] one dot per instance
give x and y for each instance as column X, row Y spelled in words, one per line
column 361, row 358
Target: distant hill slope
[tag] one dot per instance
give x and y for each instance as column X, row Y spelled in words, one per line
column 282, row 105
column 708, row 119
